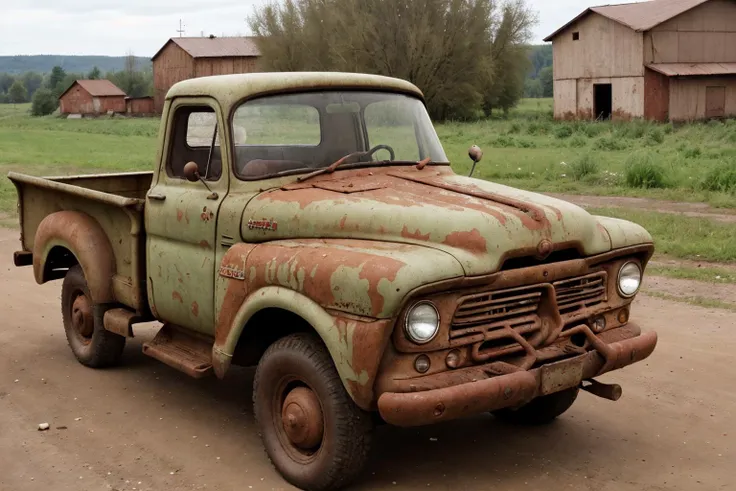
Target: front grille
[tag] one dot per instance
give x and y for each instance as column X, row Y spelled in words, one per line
column 493, row 317
column 581, row 293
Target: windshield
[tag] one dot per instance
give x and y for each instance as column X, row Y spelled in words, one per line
column 304, row 132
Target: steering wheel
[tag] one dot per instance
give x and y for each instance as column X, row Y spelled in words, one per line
column 375, row 149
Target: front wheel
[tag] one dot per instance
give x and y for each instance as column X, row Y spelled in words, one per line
column 90, row 342
column 542, row 410
column 313, row 432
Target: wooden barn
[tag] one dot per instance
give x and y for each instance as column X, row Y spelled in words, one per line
column 92, row 97
column 139, row 106
column 184, row 58
column 660, row 60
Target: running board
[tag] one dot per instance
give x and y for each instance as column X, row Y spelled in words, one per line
column 182, row 350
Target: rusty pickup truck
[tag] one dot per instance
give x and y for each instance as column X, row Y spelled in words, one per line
column 310, row 225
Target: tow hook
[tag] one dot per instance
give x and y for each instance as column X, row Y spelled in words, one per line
column 612, row 392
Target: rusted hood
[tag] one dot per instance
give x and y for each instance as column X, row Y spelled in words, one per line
column 479, row 223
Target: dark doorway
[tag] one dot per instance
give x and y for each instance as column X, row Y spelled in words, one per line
column 603, row 101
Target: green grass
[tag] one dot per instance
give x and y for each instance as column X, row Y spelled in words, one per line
column 525, row 149
column 683, row 237
column 708, row 275
column 530, row 150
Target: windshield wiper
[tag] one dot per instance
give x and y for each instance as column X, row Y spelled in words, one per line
column 333, row 167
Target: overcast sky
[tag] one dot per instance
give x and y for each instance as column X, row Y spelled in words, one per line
column 114, row 27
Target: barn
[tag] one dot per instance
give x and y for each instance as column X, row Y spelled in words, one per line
column 92, row 97
column 139, row 106
column 184, row 58
column 659, row 60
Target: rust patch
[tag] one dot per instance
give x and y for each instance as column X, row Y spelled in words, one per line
column 177, row 297
column 417, row 235
column 179, row 215
column 195, row 309
column 472, row 241
column 204, row 244
column 343, row 221
column 207, row 215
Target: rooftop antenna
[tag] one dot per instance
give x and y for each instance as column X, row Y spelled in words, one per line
column 181, row 30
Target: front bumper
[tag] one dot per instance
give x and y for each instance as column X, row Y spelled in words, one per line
column 518, row 387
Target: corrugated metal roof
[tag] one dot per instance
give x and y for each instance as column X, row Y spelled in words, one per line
column 214, row 47
column 693, row 69
column 641, row 16
column 98, row 88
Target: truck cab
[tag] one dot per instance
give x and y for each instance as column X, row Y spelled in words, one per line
column 311, row 225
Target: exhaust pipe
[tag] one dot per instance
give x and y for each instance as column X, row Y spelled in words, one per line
column 612, row 392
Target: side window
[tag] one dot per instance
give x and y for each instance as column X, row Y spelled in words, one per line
column 195, row 138
column 392, row 123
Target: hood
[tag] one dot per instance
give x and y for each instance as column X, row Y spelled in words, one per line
column 480, row 223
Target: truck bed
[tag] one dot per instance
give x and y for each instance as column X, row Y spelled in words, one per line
column 115, row 201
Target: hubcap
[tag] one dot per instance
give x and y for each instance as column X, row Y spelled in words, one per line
column 82, row 318
column 302, row 418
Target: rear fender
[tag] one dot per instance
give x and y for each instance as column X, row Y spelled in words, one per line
column 81, row 235
column 356, row 346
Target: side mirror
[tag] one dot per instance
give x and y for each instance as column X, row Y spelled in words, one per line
column 476, row 155
column 191, row 172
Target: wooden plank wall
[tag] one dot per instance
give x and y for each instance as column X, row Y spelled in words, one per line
column 687, row 96
column 705, row 34
column 171, row 66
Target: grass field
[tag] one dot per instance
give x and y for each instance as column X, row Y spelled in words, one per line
column 528, row 149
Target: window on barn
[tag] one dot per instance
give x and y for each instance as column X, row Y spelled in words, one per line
column 576, row 36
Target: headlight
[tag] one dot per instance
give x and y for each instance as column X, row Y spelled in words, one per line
column 629, row 279
column 422, row 322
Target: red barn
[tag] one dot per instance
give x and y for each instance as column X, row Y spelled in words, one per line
column 139, row 106
column 92, row 97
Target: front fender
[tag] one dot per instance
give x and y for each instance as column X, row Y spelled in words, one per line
column 81, row 235
column 356, row 346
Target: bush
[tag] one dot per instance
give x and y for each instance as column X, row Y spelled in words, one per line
column 655, row 136
column 592, row 130
column 721, row 178
column 514, row 129
column 690, row 152
column 44, row 103
column 537, row 128
column 583, row 167
column 610, row 143
column 632, row 130
column 563, row 131
column 643, row 172
column 578, row 141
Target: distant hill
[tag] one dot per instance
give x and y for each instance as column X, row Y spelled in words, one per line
column 72, row 64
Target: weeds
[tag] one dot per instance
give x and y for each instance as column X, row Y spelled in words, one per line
column 643, row 172
column 584, row 167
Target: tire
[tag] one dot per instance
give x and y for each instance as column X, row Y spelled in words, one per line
column 542, row 410
column 90, row 342
column 297, row 371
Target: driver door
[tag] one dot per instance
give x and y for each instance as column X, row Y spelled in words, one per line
column 181, row 217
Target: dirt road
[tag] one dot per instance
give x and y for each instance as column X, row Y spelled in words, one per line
column 144, row 426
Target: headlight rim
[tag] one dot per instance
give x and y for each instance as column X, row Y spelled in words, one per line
column 618, row 279
column 407, row 331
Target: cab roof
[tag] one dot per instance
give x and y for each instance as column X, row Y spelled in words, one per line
column 230, row 89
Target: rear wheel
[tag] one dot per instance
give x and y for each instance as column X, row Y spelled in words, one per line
column 542, row 410
column 90, row 342
column 313, row 432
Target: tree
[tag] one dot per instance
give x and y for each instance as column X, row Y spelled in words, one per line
column 57, row 76
column 44, row 102
column 546, row 77
column 454, row 50
column 17, row 93
column 33, row 82
column 94, row 74
column 6, row 80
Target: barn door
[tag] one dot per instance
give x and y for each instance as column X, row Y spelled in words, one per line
column 715, row 102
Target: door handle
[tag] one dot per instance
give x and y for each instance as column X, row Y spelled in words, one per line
column 157, row 197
